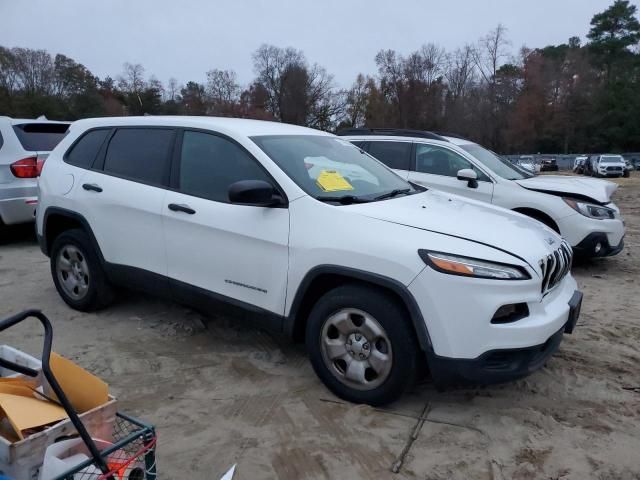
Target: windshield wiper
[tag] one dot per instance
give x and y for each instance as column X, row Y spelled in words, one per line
column 345, row 200
column 393, row 193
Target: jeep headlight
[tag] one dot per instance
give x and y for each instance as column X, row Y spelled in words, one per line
column 472, row 267
column 590, row 210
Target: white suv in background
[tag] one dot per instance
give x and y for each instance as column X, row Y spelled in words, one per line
column 608, row 166
column 24, row 146
column 304, row 233
column 578, row 208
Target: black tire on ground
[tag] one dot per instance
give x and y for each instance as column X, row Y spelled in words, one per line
column 99, row 293
column 626, row 174
column 397, row 327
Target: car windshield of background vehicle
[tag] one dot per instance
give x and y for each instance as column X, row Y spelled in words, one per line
column 40, row 137
column 331, row 168
column 611, row 159
column 497, row 165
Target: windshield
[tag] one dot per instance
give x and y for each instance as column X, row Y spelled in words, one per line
column 611, row 159
column 329, row 168
column 499, row 166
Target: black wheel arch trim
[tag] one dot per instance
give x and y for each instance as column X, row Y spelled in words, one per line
column 382, row 281
column 44, row 241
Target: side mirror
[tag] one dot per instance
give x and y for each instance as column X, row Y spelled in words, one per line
column 257, row 193
column 469, row 176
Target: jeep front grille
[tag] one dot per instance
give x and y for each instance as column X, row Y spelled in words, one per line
column 555, row 267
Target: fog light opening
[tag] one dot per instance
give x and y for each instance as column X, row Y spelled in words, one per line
column 598, row 247
column 510, row 313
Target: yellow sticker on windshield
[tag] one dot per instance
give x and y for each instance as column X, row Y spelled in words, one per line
column 332, row 181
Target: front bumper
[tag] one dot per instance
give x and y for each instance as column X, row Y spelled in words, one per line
column 458, row 312
column 611, row 174
column 578, row 230
column 597, row 245
column 495, row 366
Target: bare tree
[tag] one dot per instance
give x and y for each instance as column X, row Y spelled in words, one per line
column 8, row 75
column 356, row 102
column 490, row 52
column 132, row 78
column 222, row 86
column 172, row 90
column 433, row 60
column 295, row 92
column 33, row 70
column 271, row 63
column 460, row 71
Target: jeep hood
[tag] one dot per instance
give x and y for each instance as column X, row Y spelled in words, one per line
column 587, row 188
column 450, row 214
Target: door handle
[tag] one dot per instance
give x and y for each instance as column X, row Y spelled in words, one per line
column 92, row 187
column 176, row 207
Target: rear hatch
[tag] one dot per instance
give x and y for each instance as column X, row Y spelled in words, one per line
column 36, row 140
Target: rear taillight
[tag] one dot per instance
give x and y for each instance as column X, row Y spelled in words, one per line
column 26, row 168
column 40, row 163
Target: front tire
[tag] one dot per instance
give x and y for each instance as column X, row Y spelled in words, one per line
column 77, row 273
column 361, row 344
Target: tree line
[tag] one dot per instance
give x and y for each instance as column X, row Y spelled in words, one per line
column 568, row 98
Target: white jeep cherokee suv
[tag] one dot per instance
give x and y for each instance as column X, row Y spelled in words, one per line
column 304, row 233
column 578, row 208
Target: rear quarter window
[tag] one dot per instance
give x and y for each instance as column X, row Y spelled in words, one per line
column 393, row 154
column 40, row 137
column 85, row 150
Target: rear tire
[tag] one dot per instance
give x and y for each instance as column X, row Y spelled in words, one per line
column 77, row 272
column 361, row 344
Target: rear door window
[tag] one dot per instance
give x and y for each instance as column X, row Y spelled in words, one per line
column 393, row 154
column 140, row 154
column 40, row 137
column 85, row 150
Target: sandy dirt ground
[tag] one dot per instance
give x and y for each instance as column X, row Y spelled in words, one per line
column 221, row 393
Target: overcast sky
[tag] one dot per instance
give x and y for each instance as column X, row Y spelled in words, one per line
column 185, row 38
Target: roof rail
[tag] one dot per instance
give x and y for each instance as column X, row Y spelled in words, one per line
column 452, row 135
column 395, row 132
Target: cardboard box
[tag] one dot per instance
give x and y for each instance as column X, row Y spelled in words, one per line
column 22, row 459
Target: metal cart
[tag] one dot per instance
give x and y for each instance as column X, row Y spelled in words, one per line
column 130, row 456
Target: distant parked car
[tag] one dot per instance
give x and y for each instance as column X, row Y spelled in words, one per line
column 579, row 163
column 549, row 164
column 608, row 166
column 528, row 163
column 588, row 165
column 628, row 166
column 24, row 146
